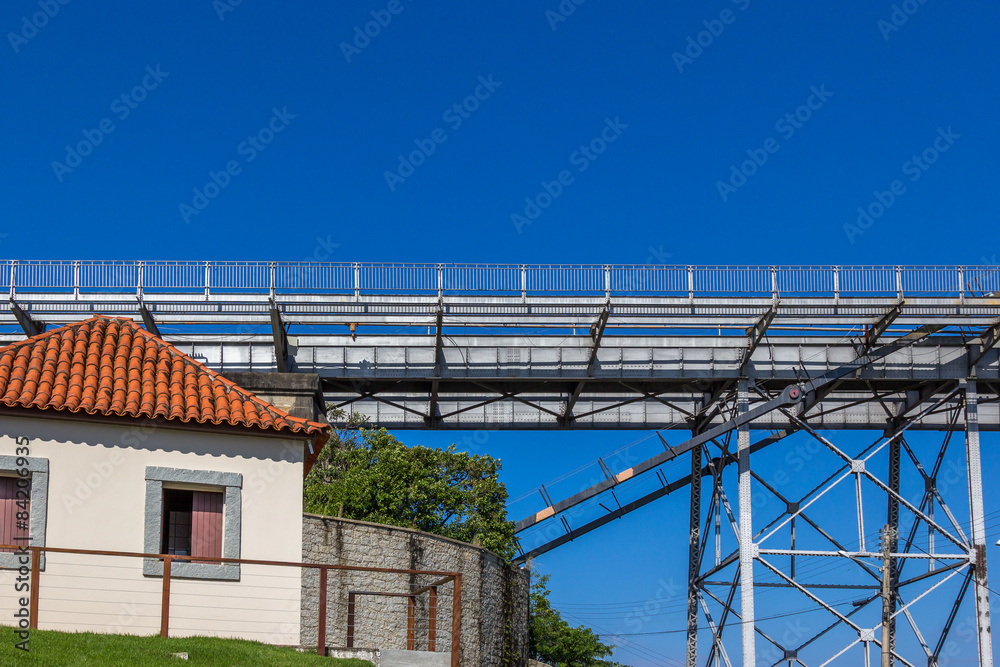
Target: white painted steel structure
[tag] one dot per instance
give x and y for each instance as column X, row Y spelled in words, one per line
column 719, row 352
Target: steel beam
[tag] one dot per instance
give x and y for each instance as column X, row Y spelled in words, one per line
column 976, row 515
column 148, row 321
column 433, row 414
column 28, row 325
column 694, row 558
column 596, row 334
column 747, row 546
column 626, row 508
column 755, row 335
column 790, row 396
column 280, row 341
column 983, row 344
column 879, row 327
column 892, row 544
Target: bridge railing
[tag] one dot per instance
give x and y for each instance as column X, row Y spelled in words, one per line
column 494, row 279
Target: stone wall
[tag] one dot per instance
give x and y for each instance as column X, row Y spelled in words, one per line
column 494, row 594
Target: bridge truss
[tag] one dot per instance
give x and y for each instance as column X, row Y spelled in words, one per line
column 787, row 353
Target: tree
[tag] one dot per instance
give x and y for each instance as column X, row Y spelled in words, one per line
column 552, row 640
column 366, row 474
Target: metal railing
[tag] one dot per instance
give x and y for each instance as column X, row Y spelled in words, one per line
column 493, row 279
column 441, row 578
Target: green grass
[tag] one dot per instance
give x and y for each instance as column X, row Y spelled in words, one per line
column 54, row 649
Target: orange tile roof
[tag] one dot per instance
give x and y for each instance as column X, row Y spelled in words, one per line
column 113, row 367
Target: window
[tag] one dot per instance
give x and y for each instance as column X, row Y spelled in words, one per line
column 192, row 523
column 13, row 501
column 193, row 513
column 14, row 498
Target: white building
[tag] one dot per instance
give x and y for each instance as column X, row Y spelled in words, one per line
column 130, row 445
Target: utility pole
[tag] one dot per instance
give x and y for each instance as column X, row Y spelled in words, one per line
column 888, row 539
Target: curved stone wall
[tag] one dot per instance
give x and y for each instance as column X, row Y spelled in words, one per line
column 494, row 593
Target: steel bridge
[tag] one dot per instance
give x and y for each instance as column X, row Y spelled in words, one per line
column 715, row 352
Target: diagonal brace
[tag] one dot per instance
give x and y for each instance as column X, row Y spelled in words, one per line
column 596, row 334
column 30, row 326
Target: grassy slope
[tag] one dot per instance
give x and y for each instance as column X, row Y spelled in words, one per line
column 54, row 649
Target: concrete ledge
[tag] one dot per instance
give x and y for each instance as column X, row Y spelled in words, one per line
column 393, row 658
column 298, row 394
column 306, row 383
column 371, row 654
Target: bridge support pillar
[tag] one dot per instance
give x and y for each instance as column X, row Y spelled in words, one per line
column 978, row 522
column 747, row 546
column 694, row 559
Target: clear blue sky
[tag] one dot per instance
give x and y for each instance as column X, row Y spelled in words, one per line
column 308, row 129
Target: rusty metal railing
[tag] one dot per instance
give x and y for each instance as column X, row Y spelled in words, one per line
column 447, row 577
column 411, row 608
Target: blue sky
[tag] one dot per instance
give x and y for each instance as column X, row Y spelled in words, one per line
column 213, row 131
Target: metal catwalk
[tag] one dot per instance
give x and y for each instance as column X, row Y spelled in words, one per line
column 719, row 353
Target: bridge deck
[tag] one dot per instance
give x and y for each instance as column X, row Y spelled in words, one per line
column 538, row 347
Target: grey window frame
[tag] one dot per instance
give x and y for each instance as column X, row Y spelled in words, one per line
column 39, row 505
column 232, row 484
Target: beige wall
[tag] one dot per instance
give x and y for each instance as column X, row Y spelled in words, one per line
column 96, row 500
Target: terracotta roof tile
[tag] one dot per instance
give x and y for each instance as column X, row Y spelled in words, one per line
column 113, row 367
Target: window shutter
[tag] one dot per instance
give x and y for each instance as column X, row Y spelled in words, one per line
column 9, row 532
column 206, row 524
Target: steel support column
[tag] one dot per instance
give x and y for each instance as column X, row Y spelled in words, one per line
column 281, row 360
column 147, row 320
column 892, row 537
column 694, row 560
column 747, row 547
column 28, row 325
column 977, row 520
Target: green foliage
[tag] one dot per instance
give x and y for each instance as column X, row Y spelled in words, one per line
column 554, row 641
column 366, row 474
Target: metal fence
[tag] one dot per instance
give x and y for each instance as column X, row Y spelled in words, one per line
column 495, row 279
column 89, row 584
